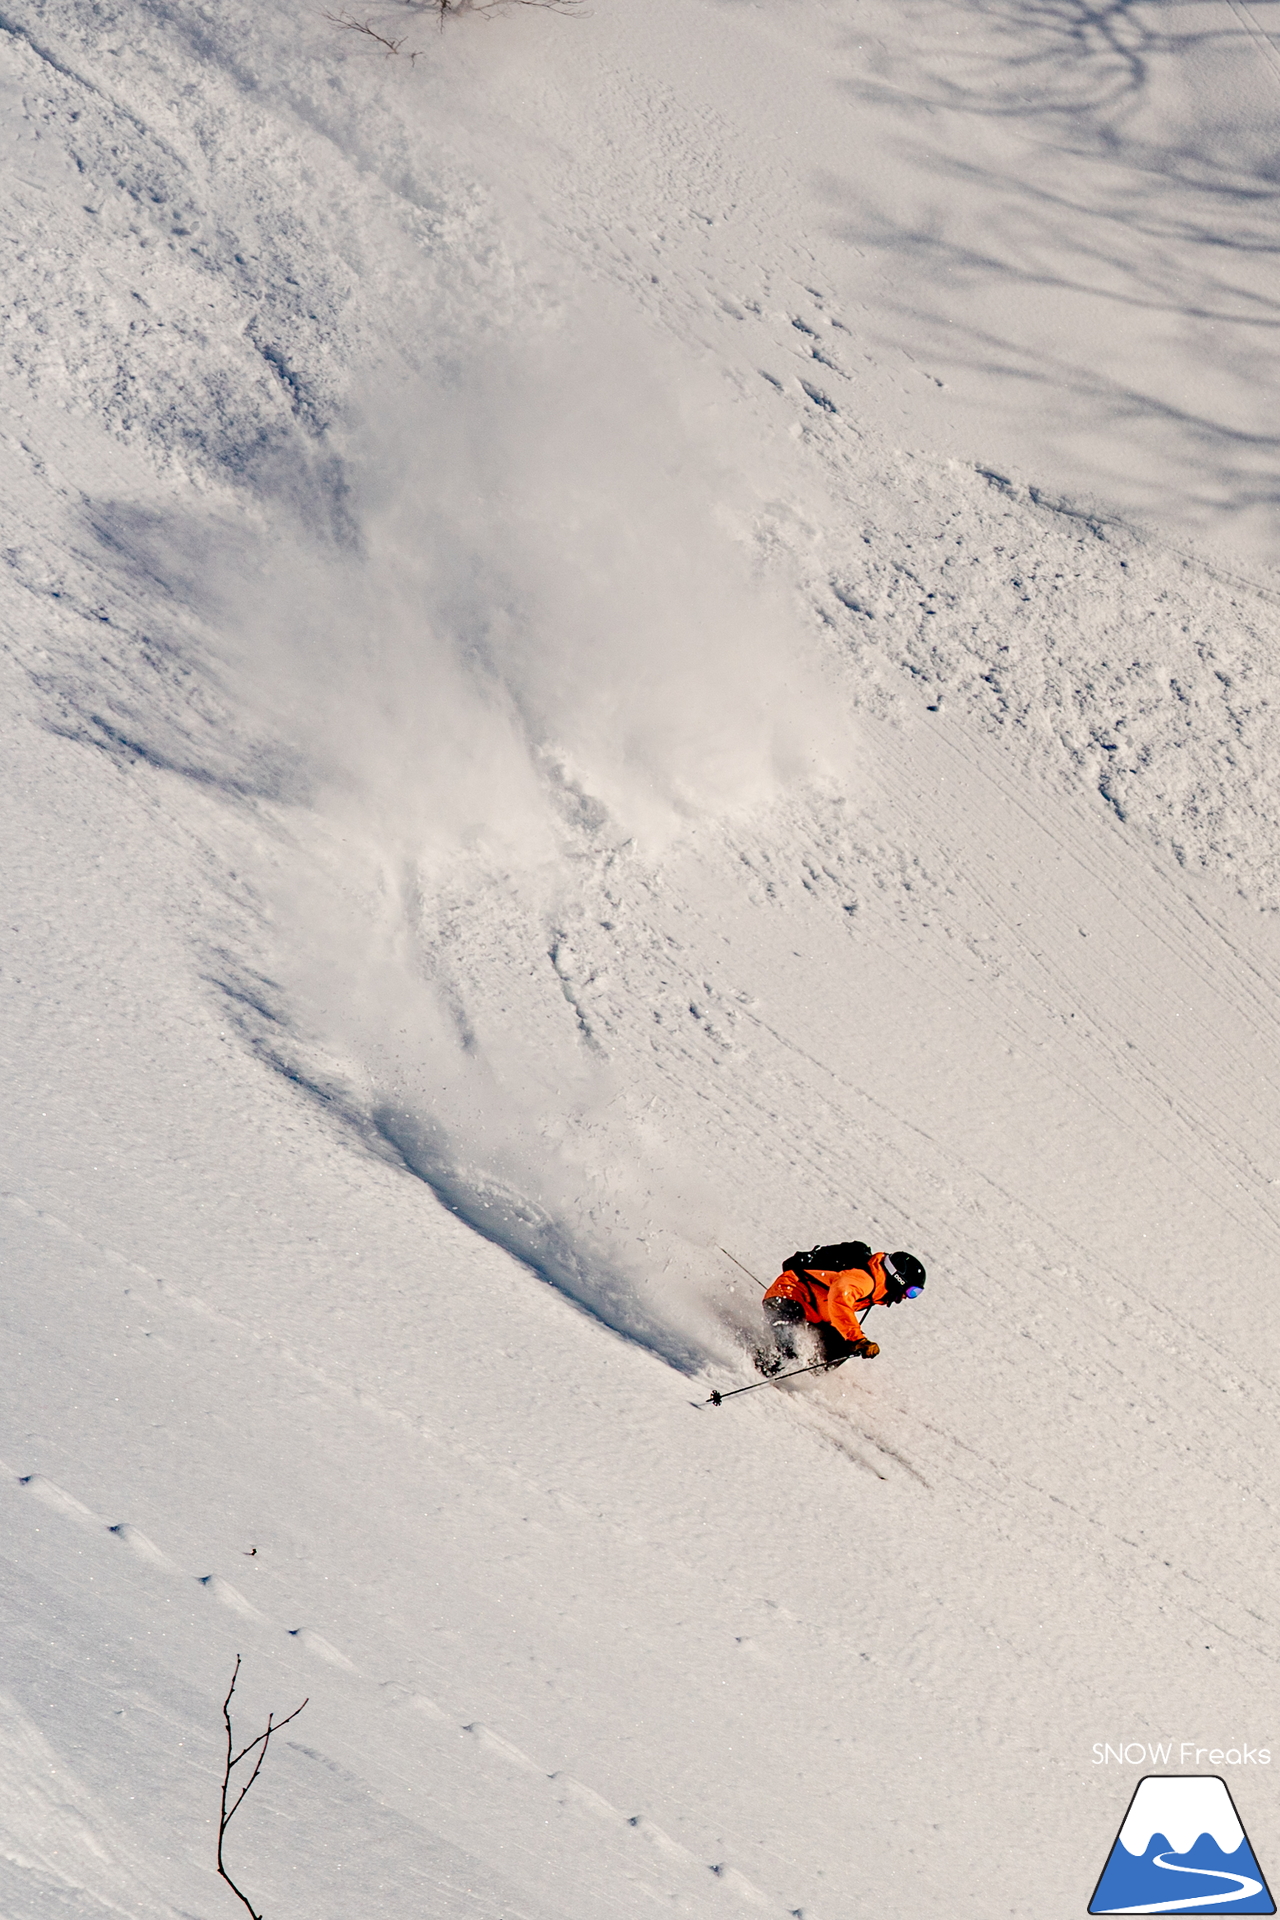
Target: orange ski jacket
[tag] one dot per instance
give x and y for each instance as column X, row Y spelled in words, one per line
column 836, row 1298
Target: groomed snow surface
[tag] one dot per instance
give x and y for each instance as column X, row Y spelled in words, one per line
column 653, row 632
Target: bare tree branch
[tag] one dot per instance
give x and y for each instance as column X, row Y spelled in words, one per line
column 263, row 1741
column 389, row 47
column 443, row 7
column 444, row 10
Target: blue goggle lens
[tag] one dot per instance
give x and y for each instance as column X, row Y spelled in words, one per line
column 913, row 1293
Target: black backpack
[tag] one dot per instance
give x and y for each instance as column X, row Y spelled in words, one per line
column 836, row 1259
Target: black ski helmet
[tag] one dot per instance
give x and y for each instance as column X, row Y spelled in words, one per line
column 905, row 1275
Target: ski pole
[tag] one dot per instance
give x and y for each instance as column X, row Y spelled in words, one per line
column 819, row 1366
column 751, row 1276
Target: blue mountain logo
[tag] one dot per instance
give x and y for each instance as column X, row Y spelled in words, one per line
column 1181, row 1849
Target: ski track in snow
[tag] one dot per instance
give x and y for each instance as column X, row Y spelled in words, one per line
column 505, row 712
column 983, row 1482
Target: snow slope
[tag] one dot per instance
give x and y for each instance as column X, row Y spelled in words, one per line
column 541, row 746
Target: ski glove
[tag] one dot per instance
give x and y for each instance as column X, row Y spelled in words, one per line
column 866, row 1349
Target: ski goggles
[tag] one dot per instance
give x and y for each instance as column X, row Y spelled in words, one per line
column 912, row 1292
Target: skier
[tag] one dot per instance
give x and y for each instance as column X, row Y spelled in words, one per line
column 826, row 1290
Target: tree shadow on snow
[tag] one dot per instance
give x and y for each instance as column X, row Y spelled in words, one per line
column 1108, row 244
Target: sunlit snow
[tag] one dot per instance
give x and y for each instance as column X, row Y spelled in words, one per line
column 651, row 633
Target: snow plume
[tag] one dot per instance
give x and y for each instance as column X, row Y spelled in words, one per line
column 542, row 659
column 552, row 613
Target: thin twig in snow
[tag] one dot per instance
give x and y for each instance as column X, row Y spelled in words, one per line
column 348, row 25
column 263, row 1741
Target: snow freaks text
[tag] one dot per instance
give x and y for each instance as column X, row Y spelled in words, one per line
column 1136, row 1753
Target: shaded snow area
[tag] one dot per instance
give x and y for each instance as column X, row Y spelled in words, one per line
column 653, row 632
